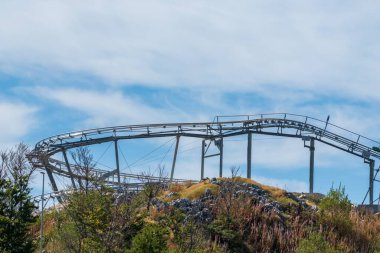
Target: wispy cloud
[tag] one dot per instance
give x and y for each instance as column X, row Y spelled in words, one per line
column 105, row 108
column 17, row 120
column 322, row 47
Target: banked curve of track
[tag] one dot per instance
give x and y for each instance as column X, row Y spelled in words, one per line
column 265, row 124
column 277, row 124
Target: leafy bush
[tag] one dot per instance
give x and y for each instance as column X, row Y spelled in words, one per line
column 94, row 221
column 15, row 216
column 336, row 201
column 315, row 244
column 152, row 238
column 16, row 206
column 335, row 211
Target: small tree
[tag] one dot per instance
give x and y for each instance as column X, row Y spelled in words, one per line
column 84, row 163
column 336, row 201
column 99, row 220
column 187, row 234
column 16, row 206
column 335, row 210
column 15, row 165
column 152, row 184
column 152, row 238
column 315, row 244
column 227, row 194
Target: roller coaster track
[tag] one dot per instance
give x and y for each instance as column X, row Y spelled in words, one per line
column 306, row 128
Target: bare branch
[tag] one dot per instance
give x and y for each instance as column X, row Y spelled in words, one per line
column 84, row 163
column 153, row 184
column 14, row 163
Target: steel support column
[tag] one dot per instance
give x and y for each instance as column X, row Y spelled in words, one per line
column 42, row 213
column 174, row 158
column 69, row 168
column 249, row 155
column 203, row 160
column 311, row 169
column 221, row 157
column 117, row 162
column 52, row 181
column 371, row 174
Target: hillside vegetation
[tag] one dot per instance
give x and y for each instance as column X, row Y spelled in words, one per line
column 215, row 215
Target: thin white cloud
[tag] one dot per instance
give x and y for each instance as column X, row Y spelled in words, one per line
column 105, row 108
column 16, row 121
column 219, row 44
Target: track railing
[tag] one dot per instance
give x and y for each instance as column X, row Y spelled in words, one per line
column 278, row 124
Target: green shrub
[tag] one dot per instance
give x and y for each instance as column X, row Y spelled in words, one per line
column 16, row 215
column 335, row 211
column 151, row 239
column 336, row 201
column 226, row 234
column 315, row 244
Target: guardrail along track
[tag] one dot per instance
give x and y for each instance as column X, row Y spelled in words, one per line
column 306, row 128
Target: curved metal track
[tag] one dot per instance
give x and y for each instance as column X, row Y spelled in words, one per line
column 278, row 124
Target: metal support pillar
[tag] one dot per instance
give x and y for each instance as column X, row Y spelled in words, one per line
column 51, row 178
column 203, row 159
column 249, row 155
column 371, row 174
column 174, row 158
column 221, row 157
column 69, row 168
column 311, row 171
column 52, row 182
column 42, row 213
column 117, row 162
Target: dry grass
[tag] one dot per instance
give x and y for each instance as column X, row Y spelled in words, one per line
column 177, row 187
column 310, row 203
column 262, row 231
column 192, row 191
column 187, row 190
column 195, row 191
column 285, row 201
column 274, row 191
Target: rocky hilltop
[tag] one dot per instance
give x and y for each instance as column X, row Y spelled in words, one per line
column 215, row 215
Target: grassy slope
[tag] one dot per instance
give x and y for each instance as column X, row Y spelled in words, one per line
column 194, row 191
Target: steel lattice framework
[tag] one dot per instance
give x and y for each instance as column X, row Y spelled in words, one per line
column 306, row 128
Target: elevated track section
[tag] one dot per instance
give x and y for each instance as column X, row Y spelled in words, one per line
column 308, row 129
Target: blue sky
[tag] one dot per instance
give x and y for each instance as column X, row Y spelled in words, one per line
column 74, row 65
